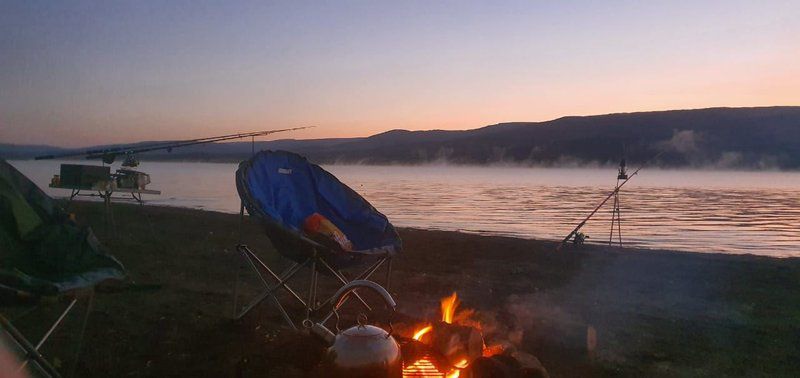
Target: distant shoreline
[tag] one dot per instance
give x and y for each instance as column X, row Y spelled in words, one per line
column 609, row 166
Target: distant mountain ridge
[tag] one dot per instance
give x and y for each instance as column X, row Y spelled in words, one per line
column 755, row 138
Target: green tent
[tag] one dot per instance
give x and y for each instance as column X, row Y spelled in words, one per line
column 41, row 250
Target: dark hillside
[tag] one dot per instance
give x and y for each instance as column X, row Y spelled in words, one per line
column 755, row 138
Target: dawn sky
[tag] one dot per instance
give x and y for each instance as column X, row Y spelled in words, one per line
column 76, row 73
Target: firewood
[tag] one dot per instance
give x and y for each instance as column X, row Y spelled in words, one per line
column 456, row 342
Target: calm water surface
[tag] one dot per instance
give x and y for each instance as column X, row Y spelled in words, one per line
column 704, row 211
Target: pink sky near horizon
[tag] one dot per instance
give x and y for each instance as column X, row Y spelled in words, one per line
column 86, row 75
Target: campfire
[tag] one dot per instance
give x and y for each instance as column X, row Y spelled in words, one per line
column 446, row 347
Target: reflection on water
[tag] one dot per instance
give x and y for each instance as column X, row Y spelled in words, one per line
column 710, row 211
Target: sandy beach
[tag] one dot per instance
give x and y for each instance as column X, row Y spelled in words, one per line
column 654, row 313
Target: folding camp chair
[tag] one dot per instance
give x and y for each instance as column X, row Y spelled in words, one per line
column 31, row 356
column 281, row 190
column 43, row 253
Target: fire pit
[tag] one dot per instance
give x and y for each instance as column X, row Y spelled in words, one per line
column 444, row 348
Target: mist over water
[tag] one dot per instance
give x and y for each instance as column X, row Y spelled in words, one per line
column 701, row 211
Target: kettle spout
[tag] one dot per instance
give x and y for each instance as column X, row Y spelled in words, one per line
column 323, row 333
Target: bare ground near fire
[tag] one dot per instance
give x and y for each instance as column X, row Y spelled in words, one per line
column 655, row 313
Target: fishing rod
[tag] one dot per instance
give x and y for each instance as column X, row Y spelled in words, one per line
column 169, row 146
column 109, row 154
column 124, row 149
column 583, row 222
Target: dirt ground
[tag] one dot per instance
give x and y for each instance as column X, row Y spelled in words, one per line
column 654, row 313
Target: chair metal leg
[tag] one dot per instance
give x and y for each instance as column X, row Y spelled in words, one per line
column 51, row 330
column 364, row 275
column 56, row 323
column 283, row 312
column 269, row 292
column 81, row 338
column 310, row 303
column 371, row 270
column 341, row 277
column 311, row 287
column 285, row 276
column 31, row 351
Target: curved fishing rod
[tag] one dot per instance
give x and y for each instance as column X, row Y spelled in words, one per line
column 170, row 144
column 110, row 153
column 583, row 222
column 191, row 142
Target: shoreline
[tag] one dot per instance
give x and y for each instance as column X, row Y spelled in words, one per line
column 655, row 313
column 588, row 245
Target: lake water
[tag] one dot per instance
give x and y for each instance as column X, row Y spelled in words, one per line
column 702, row 211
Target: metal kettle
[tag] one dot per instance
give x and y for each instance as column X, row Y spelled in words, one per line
column 363, row 350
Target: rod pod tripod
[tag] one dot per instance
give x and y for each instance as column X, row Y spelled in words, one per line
column 622, row 175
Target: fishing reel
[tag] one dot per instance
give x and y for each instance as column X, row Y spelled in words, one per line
column 130, row 161
column 623, row 171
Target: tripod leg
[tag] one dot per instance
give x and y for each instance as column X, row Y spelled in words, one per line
column 619, row 225
column 613, row 218
column 611, row 234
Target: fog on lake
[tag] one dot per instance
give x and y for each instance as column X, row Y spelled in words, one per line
column 701, row 211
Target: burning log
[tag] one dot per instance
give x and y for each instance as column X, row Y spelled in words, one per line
column 454, row 348
column 459, row 344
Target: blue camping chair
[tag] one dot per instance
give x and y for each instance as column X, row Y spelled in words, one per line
column 281, row 190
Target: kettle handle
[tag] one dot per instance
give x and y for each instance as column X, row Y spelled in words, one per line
column 342, row 293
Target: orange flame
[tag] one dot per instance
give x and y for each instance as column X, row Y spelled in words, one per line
column 449, row 305
column 418, row 335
